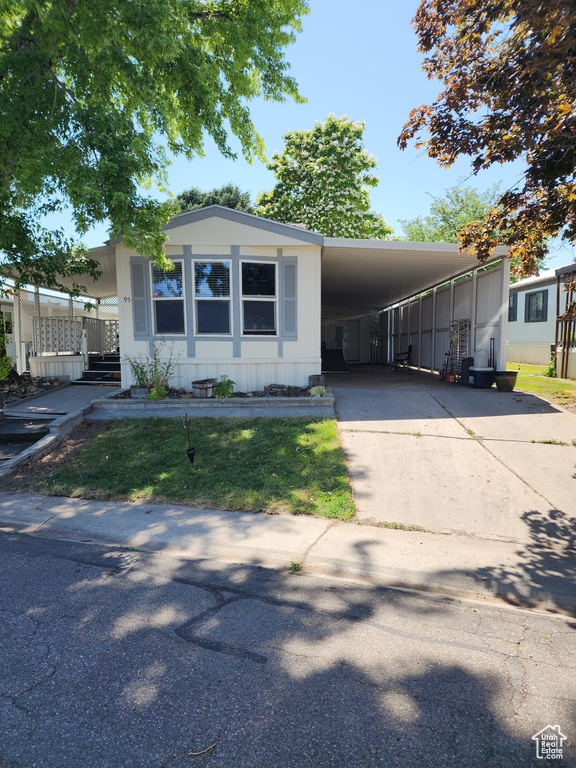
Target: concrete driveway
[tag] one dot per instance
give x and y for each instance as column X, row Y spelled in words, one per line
column 453, row 459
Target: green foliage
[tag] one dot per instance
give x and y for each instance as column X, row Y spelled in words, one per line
column 550, row 370
column 225, row 387
column 88, row 91
column 449, row 214
column 508, row 71
column 292, row 465
column 160, row 369
column 157, row 393
column 531, row 379
column 154, row 371
column 6, row 363
column 138, row 371
column 230, row 196
column 323, row 180
column 317, row 391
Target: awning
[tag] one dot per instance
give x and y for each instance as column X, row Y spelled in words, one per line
column 364, row 276
column 105, row 286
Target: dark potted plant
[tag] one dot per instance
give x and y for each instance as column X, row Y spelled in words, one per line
column 505, row 380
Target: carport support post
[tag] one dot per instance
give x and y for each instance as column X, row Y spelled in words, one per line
column 419, row 331
column 409, row 327
column 433, row 360
column 20, row 366
column 503, row 319
column 472, row 340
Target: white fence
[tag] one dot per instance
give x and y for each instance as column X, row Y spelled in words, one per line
column 101, row 336
column 57, row 335
column 63, row 335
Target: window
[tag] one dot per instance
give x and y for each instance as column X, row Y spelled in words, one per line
column 258, row 299
column 513, row 308
column 168, row 299
column 212, row 296
column 536, row 307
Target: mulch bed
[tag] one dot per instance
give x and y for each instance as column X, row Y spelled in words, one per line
column 274, row 390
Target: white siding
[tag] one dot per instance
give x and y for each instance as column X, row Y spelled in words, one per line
column 271, row 360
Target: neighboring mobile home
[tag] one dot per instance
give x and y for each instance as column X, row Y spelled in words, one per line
column 256, row 299
column 532, row 312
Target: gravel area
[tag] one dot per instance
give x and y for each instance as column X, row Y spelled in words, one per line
column 26, row 386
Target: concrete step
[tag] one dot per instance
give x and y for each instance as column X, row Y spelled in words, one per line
column 104, row 365
column 102, row 377
column 22, row 430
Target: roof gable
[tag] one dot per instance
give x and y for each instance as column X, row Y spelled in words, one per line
column 228, row 220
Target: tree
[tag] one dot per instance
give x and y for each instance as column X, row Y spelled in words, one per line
column 508, row 70
column 229, row 196
column 88, row 90
column 323, row 179
column 450, row 214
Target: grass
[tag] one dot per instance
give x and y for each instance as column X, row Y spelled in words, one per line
column 530, row 379
column 398, row 526
column 293, row 465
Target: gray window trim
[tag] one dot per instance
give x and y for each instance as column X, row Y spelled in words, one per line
column 210, row 336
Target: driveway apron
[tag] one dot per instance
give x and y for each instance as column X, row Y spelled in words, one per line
column 453, row 459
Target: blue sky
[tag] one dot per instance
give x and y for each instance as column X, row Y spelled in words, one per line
column 358, row 59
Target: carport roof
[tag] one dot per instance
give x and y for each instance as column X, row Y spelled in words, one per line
column 358, row 276
column 363, row 276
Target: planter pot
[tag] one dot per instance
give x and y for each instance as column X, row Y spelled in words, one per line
column 204, row 388
column 139, row 393
column 505, row 380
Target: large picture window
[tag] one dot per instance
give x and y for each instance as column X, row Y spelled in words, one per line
column 536, row 307
column 259, row 286
column 212, row 296
column 168, row 299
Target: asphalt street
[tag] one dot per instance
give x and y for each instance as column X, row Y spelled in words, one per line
column 115, row 658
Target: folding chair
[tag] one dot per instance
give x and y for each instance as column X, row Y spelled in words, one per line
column 403, row 359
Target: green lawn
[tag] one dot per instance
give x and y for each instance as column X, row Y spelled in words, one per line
column 530, row 379
column 272, row 465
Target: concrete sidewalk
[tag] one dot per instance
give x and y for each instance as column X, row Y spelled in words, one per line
column 454, row 565
column 61, row 401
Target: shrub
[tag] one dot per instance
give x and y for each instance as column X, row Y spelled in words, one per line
column 225, row 387
column 157, row 393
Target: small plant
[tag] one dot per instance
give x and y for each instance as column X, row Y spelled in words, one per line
column 317, row 391
column 295, row 568
column 160, row 371
column 550, row 370
column 225, row 387
column 151, row 372
column 157, row 393
column 138, row 370
column 6, row 364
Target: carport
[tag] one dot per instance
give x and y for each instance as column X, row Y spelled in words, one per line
column 379, row 297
